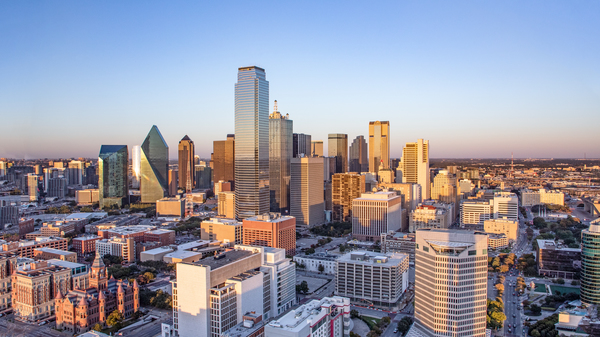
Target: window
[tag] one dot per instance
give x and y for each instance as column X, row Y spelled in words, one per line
column 472, row 252
column 485, row 252
column 426, row 249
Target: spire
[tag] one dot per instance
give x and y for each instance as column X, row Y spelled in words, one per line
column 275, row 107
column 59, row 295
column 135, row 284
column 98, row 263
column 120, row 290
column 101, row 295
column 186, row 138
column 82, row 302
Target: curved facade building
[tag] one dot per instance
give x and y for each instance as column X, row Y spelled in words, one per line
column 280, row 155
column 251, row 143
column 154, row 167
column 590, row 264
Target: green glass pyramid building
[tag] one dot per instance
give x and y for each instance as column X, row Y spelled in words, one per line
column 154, row 167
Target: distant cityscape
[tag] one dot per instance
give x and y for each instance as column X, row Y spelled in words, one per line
column 278, row 235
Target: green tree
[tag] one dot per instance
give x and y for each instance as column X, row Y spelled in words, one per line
column 560, row 281
column 354, row 313
column 149, row 276
column 97, row 327
column 535, row 309
column 535, row 333
column 322, row 269
column 302, row 287
column 386, row 320
column 115, row 317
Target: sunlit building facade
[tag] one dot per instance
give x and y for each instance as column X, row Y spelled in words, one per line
column 590, row 264
column 252, row 143
column 186, row 164
column 379, row 146
column 113, row 162
column 338, row 148
column 280, row 155
column 359, row 159
column 415, row 166
column 154, row 167
column 223, row 160
column 306, row 191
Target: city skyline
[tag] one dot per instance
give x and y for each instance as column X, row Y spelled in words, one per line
column 434, row 70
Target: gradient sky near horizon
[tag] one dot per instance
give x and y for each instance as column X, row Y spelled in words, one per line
column 477, row 79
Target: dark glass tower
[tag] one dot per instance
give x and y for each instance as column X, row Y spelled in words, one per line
column 251, row 143
column 186, row 164
column 280, row 155
column 113, row 163
column 338, row 148
column 154, row 183
column 359, row 160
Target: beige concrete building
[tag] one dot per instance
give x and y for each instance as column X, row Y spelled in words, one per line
column 506, row 205
column 306, row 191
column 226, row 207
column 542, row 196
column 317, row 148
column 220, row 229
column 497, row 241
column 45, row 253
column 379, row 146
column 376, row 213
column 415, row 166
column 502, row 226
column 57, row 228
column 34, row 287
column 170, row 207
column 370, row 278
column 476, row 212
column 345, row 187
column 87, row 197
column 443, row 187
column 399, row 243
column 406, row 190
column 116, row 246
column 222, row 186
column 450, row 282
column 429, row 216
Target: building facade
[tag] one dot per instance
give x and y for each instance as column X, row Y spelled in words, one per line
column 590, row 264
column 358, row 155
column 223, row 159
column 301, row 145
column 306, row 191
column 556, row 260
column 226, row 204
column 376, row 213
column 415, row 166
column 113, row 163
column 154, row 167
column 379, row 146
column 280, row 155
column 338, row 149
column 502, row 226
column 187, row 174
column 271, row 230
column 345, row 187
column 429, row 216
column 124, row 248
column 224, row 230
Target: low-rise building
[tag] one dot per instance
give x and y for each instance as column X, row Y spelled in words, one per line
column 135, row 232
column 124, row 248
column 557, row 261
column 429, row 216
column 170, row 208
column 164, row 237
column 399, row 243
column 80, row 277
column 252, row 325
column 156, row 254
column 46, row 253
column 85, row 245
column 182, row 256
column 57, row 228
column 112, row 222
column 497, row 241
column 372, row 278
column 502, row 226
column 26, row 248
column 26, row 225
column 314, row 261
column 327, row 317
column 271, row 230
column 87, row 197
column 221, row 229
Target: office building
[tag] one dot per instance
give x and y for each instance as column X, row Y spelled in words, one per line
column 450, row 282
column 26, row 248
column 170, row 208
column 187, row 171
column 497, row 241
column 465, row 187
column 502, row 226
column 542, row 196
column 154, row 166
column 345, row 187
column 506, row 206
column 87, row 196
column 224, row 230
column 223, row 160
column 314, row 261
column 556, row 260
column 113, row 188
column 57, row 228
column 376, row 213
column 358, row 155
column 32, row 186
column 317, row 148
column 271, row 230
column 212, row 295
column 306, row 191
column 280, row 155
column 415, row 166
column 226, row 204
column 34, row 287
column 370, row 278
column 399, row 243
column 79, row 310
column 379, row 146
column 590, row 264
column 173, row 182
column 409, row 201
column 252, row 145
column 301, row 145
column 57, row 187
column 327, row 317
column 443, row 187
column 75, row 172
column 203, row 177
column 136, row 166
column 115, row 246
column 85, row 245
column 338, row 149
column 163, row 237
column 222, row 186
column 45, row 253
column 476, row 212
column 430, row 216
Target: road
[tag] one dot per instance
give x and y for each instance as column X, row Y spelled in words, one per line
column 18, row 329
column 513, row 324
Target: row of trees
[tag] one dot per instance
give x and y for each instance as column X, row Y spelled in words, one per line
column 501, row 263
column 336, row 229
column 544, row 327
column 495, row 308
column 158, row 299
column 527, row 265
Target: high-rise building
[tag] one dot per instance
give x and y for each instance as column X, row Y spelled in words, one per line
column 226, row 204
column 212, row 296
column 376, row 213
column 415, row 166
column 443, row 187
column 271, row 230
column 450, row 282
column 301, row 144
column 345, row 187
column 372, row 278
column 203, row 176
column 476, row 212
column 280, row 155
column 379, row 146
column 252, row 143
column 136, row 168
column 556, row 260
column 32, row 187
column 506, row 206
column 338, row 148
column 113, row 162
column 430, row 216
column 590, row 264
column 317, row 148
column 358, row 156
column 57, row 187
column 155, row 167
column 223, row 160
column 2, row 168
column 75, row 172
column 306, row 191
column 173, row 178
column 187, row 172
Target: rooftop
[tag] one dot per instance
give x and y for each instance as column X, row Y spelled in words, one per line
column 307, row 314
column 182, row 254
column 366, row 257
column 54, row 251
column 551, row 244
column 224, row 259
column 382, row 195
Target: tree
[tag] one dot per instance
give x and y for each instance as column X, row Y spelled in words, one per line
column 535, row 333
column 302, row 287
column 560, row 281
column 342, row 248
column 496, row 262
column 354, row 313
column 310, row 250
column 386, row 320
column 322, row 269
column 535, row 309
column 504, row 268
column 500, row 287
column 97, row 327
column 149, row 276
column 115, row 317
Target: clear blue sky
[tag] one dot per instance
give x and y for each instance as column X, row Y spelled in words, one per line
column 476, row 78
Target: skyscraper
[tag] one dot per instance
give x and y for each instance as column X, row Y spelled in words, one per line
column 252, row 143
column 338, row 148
column 136, row 155
column 306, row 191
column 358, row 155
column 154, row 167
column 32, row 186
column 186, row 164
column 415, row 166
column 379, row 146
column 280, row 154
column 113, row 162
column 223, row 160
column 317, row 148
column 302, row 144
column 450, row 282
column 75, row 172
column 345, row 187
column 590, row 264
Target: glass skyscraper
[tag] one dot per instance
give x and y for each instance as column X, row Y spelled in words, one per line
column 113, row 164
column 358, row 155
column 338, row 148
column 280, row 154
column 251, row 143
column 136, row 154
column 186, row 164
column 154, row 167
column 590, row 264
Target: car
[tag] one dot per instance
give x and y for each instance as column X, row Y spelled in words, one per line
column 396, row 330
column 514, row 315
column 42, row 323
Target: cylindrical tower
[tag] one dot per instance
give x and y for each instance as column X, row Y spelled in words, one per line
column 590, row 264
